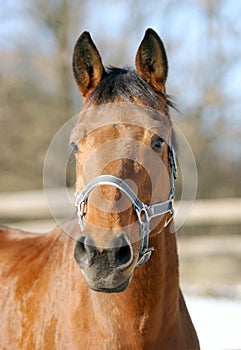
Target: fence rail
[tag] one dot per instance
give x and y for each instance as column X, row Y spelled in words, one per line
column 32, row 205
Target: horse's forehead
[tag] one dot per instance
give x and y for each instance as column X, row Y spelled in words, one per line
column 127, row 113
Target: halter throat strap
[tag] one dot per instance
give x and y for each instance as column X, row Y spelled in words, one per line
column 144, row 212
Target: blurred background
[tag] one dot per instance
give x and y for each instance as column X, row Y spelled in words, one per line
column 38, row 95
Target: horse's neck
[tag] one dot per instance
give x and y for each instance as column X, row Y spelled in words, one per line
column 159, row 278
column 150, row 304
column 150, row 313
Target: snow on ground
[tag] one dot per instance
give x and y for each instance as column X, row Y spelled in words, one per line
column 217, row 322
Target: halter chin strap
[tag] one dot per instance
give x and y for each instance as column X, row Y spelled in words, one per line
column 144, row 212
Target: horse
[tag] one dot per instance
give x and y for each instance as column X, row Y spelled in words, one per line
column 113, row 281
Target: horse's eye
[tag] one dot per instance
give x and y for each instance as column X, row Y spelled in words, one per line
column 75, row 147
column 157, row 143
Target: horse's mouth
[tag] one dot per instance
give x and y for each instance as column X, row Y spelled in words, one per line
column 123, row 286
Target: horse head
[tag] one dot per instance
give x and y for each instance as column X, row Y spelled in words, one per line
column 125, row 162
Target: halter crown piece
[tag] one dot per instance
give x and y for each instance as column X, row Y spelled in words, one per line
column 144, row 212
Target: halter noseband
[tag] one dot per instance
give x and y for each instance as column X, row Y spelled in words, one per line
column 144, row 212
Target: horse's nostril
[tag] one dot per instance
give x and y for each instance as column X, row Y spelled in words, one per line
column 123, row 255
column 80, row 245
column 85, row 251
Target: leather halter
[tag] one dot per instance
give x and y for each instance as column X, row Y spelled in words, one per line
column 144, row 212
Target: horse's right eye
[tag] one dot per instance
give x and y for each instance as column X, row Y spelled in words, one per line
column 75, row 147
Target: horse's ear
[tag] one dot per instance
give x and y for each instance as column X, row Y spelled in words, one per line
column 151, row 61
column 87, row 64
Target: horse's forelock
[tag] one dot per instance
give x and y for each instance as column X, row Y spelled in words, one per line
column 126, row 85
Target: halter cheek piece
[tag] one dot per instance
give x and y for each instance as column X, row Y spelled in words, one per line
column 144, row 212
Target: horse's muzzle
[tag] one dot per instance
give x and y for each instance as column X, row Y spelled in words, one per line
column 105, row 270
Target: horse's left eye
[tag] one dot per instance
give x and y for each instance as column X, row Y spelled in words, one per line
column 157, row 143
column 75, row 147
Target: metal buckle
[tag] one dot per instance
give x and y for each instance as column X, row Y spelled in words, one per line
column 145, row 256
column 80, row 212
column 140, row 212
column 81, row 207
column 169, row 219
